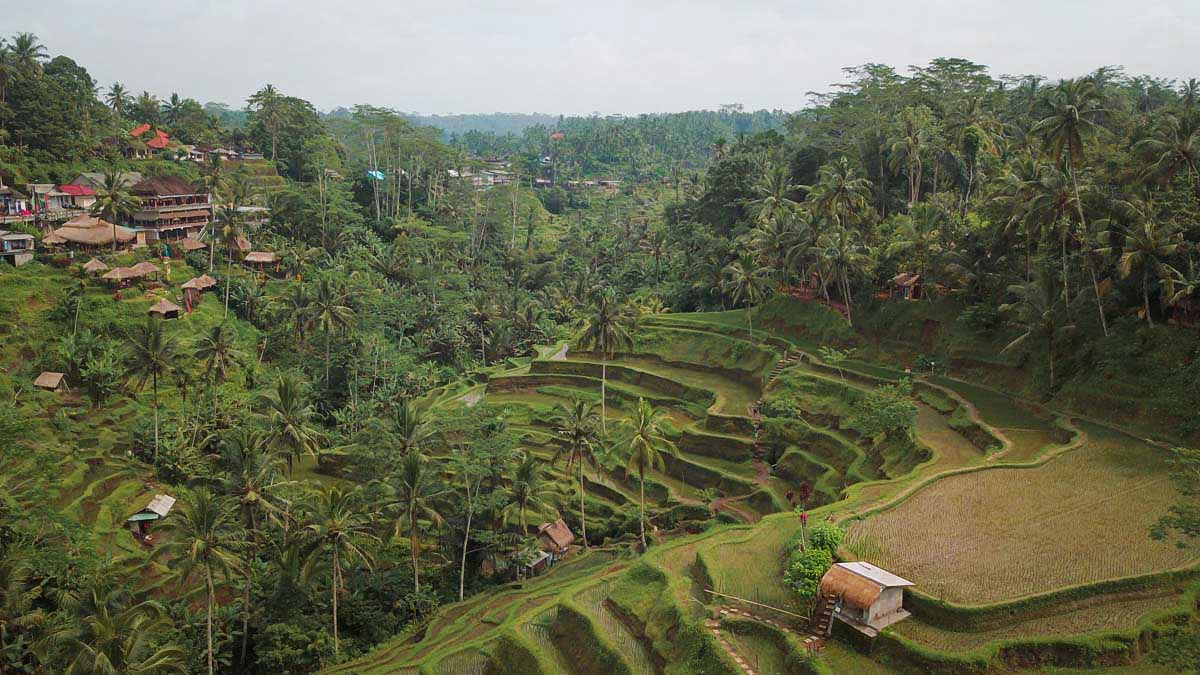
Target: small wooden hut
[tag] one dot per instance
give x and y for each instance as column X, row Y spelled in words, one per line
column 166, row 309
column 555, row 538
column 49, row 381
column 157, row 509
column 262, row 259
column 121, row 276
column 863, row 596
column 146, row 269
column 193, row 288
column 908, row 286
column 190, row 244
column 95, row 266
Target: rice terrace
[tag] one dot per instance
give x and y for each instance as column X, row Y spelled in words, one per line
column 893, row 369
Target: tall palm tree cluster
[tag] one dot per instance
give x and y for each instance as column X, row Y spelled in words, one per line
column 979, row 187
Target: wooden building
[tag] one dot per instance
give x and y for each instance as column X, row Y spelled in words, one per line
column 864, row 596
column 908, row 286
column 95, row 179
column 262, row 259
column 193, row 288
column 157, row 509
column 171, row 209
column 88, row 232
column 16, row 247
column 555, row 538
column 165, row 309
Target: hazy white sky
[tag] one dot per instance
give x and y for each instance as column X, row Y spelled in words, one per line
column 577, row 57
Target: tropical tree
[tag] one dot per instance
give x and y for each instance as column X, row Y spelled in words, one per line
column 28, row 52
column 268, row 103
column 1077, row 111
column 527, row 489
column 909, row 144
column 1039, row 310
column 1174, row 147
column 115, row 635
column 840, row 255
column 330, row 312
column 745, row 282
column 607, row 328
column 153, row 355
column 339, row 526
column 416, row 486
column 118, row 98
column 839, row 193
column 202, row 535
column 774, row 191
column 409, row 427
column 575, row 430
column 290, row 419
column 253, row 477
column 1148, row 245
column 113, row 202
column 646, row 445
column 217, row 353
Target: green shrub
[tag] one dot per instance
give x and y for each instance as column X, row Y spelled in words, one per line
column 805, row 570
column 826, row 536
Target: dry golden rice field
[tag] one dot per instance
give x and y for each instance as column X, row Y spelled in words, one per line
column 1007, row 532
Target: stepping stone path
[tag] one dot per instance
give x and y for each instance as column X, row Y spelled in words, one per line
column 813, row 643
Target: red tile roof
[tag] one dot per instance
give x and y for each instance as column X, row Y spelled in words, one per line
column 76, row 190
column 159, row 141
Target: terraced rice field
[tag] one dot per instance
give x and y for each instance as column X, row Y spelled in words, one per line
column 1115, row 615
column 1004, row 532
column 616, row 633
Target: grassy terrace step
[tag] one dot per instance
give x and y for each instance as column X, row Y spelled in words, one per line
column 477, row 622
column 736, row 357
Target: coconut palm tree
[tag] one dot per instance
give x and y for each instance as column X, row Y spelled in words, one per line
column 253, row 476
column 528, row 486
column 266, row 103
column 118, row 98
column 153, row 355
column 839, row 255
column 217, row 353
column 919, row 241
column 27, row 52
column 172, row 107
column 607, row 327
column 771, row 242
column 574, row 427
column 114, row 635
column 839, row 193
column 774, row 191
column 1148, row 244
column 745, row 282
column 113, row 202
column 1174, row 148
column 909, row 143
column 1075, row 118
column 329, row 311
column 410, row 429
column 1039, row 310
column 417, row 487
column 146, row 109
column 230, row 226
column 290, row 420
column 646, row 445
column 202, row 535
column 338, row 525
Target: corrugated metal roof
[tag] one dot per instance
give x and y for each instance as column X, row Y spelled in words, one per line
column 161, row 504
column 878, row 575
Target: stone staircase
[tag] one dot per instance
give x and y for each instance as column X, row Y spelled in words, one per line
column 822, row 619
column 790, row 358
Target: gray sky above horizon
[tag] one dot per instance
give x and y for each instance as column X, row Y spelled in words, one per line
column 617, row 56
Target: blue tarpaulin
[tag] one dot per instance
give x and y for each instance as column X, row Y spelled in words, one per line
column 377, row 175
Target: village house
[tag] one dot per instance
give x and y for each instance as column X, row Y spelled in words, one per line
column 157, row 509
column 171, row 209
column 555, row 538
column 863, row 596
column 88, row 232
column 94, row 180
column 166, row 310
column 907, row 286
column 144, row 141
column 16, row 248
column 262, row 259
column 78, row 197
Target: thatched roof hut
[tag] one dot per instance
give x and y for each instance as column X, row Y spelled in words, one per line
column 166, row 309
column 556, row 536
column 262, row 257
column 191, row 244
column 87, row 230
column 866, row 597
column 200, row 283
column 94, row 266
column 146, row 269
column 120, row 274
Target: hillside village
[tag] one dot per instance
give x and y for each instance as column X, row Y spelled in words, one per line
column 901, row 382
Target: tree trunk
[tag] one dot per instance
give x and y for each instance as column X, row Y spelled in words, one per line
column 603, row 402
column 155, row 378
column 336, row 580
column 415, row 548
column 642, row 506
column 582, row 515
column 209, row 624
column 228, row 279
column 1146, row 295
column 462, row 570
column 1099, row 305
